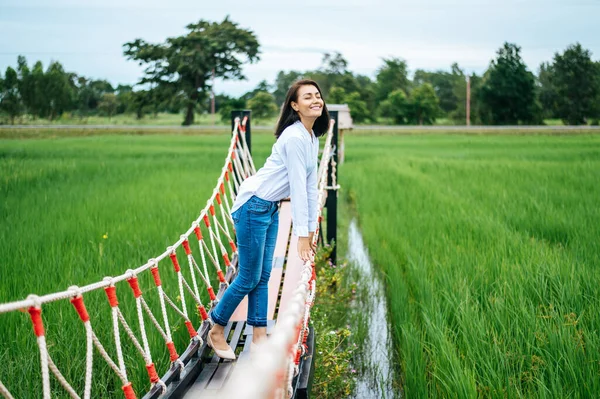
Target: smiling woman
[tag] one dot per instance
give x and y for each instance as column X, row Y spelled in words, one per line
column 290, row 171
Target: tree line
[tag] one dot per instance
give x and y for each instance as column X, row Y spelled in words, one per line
column 179, row 72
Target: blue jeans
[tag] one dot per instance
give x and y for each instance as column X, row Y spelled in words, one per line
column 256, row 224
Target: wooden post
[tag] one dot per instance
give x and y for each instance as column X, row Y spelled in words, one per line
column 331, row 202
column 468, row 101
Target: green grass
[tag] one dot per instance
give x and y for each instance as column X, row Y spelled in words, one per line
column 490, row 247
column 59, row 198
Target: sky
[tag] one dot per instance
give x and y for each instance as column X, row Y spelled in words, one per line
column 87, row 36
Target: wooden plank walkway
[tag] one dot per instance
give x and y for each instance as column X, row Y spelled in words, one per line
column 284, row 279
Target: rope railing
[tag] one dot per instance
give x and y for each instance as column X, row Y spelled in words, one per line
column 238, row 165
column 272, row 369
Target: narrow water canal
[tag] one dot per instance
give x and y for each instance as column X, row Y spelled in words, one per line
column 377, row 379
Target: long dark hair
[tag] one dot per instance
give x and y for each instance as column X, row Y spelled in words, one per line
column 288, row 116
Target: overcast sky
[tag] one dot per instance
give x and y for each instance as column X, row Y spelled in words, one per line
column 86, row 36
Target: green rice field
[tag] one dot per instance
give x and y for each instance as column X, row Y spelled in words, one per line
column 489, row 244
column 490, row 247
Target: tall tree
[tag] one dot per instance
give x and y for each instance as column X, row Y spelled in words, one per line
column 187, row 62
column 508, row 90
column 424, row 105
column 393, row 75
column 576, row 81
column 58, row 89
column 10, row 100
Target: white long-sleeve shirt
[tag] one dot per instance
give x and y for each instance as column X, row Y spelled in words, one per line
column 290, row 171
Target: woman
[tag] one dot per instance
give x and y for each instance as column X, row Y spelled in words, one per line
column 290, row 171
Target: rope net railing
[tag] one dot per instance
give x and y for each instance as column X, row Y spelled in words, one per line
column 271, row 372
column 206, row 250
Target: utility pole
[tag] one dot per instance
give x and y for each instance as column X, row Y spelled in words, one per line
column 468, row 101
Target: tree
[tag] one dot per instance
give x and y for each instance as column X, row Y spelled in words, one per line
column 225, row 104
column 396, row 107
column 423, row 105
column 187, row 62
column 262, row 105
column 508, row 90
column 108, row 104
column 576, row 81
column 547, row 92
column 282, row 84
column 10, row 100
column 450, row 87
column 393, row 75
column 358, row 107
column 59, row 91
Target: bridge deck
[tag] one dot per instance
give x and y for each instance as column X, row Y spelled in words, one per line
column 284, row 279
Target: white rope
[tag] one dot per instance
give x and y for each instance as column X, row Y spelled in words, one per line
column 212, row 238
column 5, row 392
column 154, row 321
column 89, row 360
column 163, row 308
column 61, row 379
column 115, row 317
column 111, row 363
column 246, row 150
column 170, row 302
column 44, row 363
column 205, row 274
column 181, row 294
column 138, row 305
column 135, row 341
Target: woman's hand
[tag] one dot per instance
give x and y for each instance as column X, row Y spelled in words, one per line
column 304, row 248
column 311, row 236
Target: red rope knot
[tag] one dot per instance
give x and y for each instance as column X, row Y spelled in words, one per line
column 198, row 232
column 202, row 311
column 233, row 247
column 152, row 373
column 111, row 293
column 128, row 391
column 230, row 166
column 211, row 293
column 36, row 319
column 297, row 357
column 233, row 153
column 191, row 330
column 175, row 262
column 156, row 276
column 218, row 197
column 172, row 352
column 221, row 276
column 186, row 246
column 206, row 220
column 212, row 209
column 80, row 307
column 226, row 259
column 227, row 176
column 133, row 282
column 222, row 186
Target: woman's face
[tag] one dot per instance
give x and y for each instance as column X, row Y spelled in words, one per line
column 309, row 104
